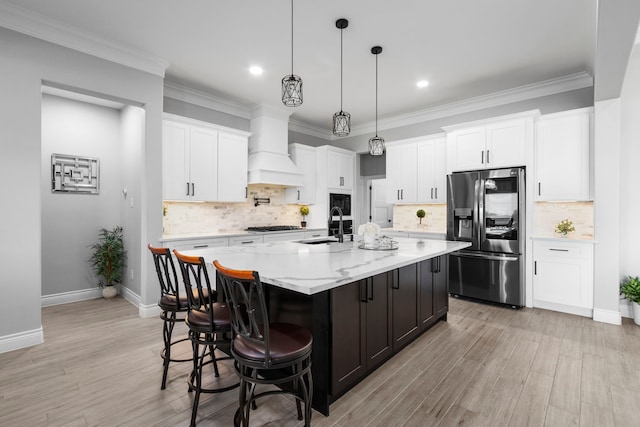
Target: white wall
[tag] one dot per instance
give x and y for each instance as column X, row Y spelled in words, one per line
column 70, row 222
column 629, row 180
column 25, row 63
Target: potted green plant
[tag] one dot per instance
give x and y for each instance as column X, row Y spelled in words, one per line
column 630, row 288
column 304, row 211
column 421, row 214
column 108, row 258
column 565, row 226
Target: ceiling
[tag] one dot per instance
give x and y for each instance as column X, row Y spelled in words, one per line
column 464, row 48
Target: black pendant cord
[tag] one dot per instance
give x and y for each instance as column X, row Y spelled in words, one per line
column 376, row 95
column 292, row 37
column 341, row 70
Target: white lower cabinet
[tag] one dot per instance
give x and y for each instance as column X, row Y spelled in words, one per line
column 194, row 244
column 283, row 237
column 316, row 233
column 246, row 240
column 563, row 276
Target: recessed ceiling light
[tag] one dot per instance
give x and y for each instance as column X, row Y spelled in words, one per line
column 422, row 83
column 255, row 70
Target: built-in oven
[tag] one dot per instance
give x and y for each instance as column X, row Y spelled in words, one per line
column 341, row 200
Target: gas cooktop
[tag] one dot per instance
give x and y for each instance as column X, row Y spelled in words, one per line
column 274, row 228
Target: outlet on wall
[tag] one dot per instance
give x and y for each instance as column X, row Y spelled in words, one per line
column 131, row 273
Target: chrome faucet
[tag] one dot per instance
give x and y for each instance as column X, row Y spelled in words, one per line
column 340, row 228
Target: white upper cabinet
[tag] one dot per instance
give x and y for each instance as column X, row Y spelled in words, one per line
column 304, row 157
column 415, row 170
column 490, row 144
column 401, row 174
column 202, row 162
column 562, row 156
column 340, row 169
column 188, row 153
column 432, row 175
column 233, row 157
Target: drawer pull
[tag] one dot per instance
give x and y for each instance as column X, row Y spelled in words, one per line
column 200, row 246
column 246, row 241
column 559, row 250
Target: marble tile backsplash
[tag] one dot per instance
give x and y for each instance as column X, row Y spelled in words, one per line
column 549, row 214
column 404, row 218
column 216, row 218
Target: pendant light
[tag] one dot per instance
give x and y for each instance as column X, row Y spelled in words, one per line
column 341, row 120
column 376, row 144
column 292, row 84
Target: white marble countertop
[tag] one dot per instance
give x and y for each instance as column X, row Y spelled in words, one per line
column 310, row 269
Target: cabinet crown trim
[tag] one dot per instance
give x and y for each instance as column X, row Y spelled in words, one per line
column 193, row 122
column 533, row 114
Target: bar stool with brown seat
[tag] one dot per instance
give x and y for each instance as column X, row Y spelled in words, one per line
column 265, row 353
column 172, row 302
column 209, row 327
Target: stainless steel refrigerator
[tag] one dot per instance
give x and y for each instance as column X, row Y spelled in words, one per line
column 487, row 208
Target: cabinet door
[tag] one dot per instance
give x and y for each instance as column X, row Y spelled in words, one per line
column 203, row 161
column 468, row 148
column 405, row 295
column 305, row 160
column 440, row 286
column 505, row 144
column 562, row 157
column 563, row 274
column 431, row 171
column 175, row 161
column 340, row 170
column 378, row 324
column 348, row 347
column 283, row 237
column 245, row 240
column 233, row 154
column 427, row 309
column 401, row 173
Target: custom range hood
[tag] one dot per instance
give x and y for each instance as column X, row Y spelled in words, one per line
column 269, row 161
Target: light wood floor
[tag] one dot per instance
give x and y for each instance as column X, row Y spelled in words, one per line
column 486, row 366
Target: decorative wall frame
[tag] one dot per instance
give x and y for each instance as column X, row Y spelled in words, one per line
column 75, row 174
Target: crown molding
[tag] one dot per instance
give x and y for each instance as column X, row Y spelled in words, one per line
column 25, row 21
column 203, row 99
column 307, row 129
column 536, row 90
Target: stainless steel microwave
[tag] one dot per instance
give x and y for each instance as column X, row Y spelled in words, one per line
column 343, row 201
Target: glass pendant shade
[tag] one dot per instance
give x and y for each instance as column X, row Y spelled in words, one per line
column 341, row 123
column 376, row 146
column 292, row 90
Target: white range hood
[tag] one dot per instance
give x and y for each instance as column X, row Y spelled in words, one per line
column 269, row 161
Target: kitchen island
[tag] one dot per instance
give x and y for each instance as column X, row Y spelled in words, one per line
column 362, row 306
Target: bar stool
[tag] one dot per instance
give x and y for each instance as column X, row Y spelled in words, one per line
column 209, row 326
column 171, row 302
column 265, row 353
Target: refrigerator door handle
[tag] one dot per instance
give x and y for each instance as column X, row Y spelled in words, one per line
column 486, row 256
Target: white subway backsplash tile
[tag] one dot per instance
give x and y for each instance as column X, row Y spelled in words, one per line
column 214, row 218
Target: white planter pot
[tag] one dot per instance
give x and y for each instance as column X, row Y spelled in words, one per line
column 636, row 312
column 109, row 292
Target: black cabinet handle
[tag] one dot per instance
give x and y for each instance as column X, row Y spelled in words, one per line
column 370, row 290
column 298, row 194
column 436, row 192
column 363, row 291
column 395, row 284
column 535, row 267
column 200, row 246
column 539, row 189
column 482, row 157
column 187, row 188
column 193, row 189
column 432, row 192
column 488, row 161
column 246, row 192
column 559, row 250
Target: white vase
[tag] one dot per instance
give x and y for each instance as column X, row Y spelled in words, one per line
column 369, row 239
column 636, row 312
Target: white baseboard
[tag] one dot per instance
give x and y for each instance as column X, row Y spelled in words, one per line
column 607, row 316
column 580, row 311
column 151, row 310
column 73, row 296
column 21, row 340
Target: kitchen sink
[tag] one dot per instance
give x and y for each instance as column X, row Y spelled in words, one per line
column 318, row 242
